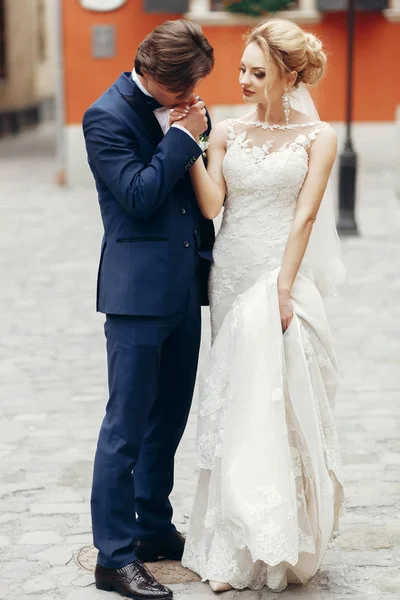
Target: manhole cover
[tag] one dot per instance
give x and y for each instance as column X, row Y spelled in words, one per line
column 165, row 571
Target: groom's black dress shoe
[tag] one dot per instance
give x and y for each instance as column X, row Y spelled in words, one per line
column 170, row 548
column 133, row 581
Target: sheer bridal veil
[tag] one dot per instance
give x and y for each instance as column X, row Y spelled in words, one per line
column 323, row 252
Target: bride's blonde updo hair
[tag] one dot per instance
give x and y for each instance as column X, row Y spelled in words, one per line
column 291, row 48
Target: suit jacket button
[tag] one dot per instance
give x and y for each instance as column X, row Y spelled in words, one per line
column 183, row 211
column 186, row 244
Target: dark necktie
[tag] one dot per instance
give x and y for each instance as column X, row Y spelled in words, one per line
column 153, row 103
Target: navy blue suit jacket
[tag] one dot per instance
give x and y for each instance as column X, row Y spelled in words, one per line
column 154, row 234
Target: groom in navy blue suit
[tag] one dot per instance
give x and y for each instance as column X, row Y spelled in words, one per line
column 152, row 279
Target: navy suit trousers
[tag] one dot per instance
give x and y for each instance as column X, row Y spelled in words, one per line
column 152, row 363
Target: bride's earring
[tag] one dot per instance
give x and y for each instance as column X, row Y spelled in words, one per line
column 286, row 105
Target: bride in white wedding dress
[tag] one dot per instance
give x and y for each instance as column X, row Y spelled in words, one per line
column 270, row 490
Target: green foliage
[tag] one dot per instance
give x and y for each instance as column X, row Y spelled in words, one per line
column 256, row 8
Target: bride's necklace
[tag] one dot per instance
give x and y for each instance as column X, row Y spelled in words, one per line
column 265, row 125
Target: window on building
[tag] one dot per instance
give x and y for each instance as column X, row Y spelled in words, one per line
column 219, row 5
column 3, row 57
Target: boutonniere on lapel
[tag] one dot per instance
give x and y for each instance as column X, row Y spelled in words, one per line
column 204, row 143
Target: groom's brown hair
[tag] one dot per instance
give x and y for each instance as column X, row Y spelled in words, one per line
column 176, row 54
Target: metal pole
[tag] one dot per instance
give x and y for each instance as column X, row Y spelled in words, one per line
column 348, row 159
column 59, row 76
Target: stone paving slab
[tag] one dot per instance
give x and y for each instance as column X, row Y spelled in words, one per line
column 53, row 391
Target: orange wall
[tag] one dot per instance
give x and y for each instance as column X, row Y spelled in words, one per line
column 376, row 87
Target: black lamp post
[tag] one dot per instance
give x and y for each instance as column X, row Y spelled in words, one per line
column 348, row 159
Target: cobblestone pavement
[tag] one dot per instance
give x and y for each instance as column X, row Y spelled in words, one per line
column 53, row 390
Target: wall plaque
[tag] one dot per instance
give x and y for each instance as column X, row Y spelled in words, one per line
column 103, row 41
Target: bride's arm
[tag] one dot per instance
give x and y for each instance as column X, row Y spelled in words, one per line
column 321, row 158
column 209, row 184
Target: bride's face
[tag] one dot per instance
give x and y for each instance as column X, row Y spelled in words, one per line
column 258, row 78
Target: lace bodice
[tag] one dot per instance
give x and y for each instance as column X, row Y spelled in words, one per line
column 264, row 168
column 264, row 175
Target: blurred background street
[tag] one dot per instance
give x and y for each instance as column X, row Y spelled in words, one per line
column 53, row 64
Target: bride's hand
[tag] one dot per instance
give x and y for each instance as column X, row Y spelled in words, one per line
column 178, row 113
column 182, row 110
column 285, row 309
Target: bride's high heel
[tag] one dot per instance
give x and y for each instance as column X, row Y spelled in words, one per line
column 218, row 586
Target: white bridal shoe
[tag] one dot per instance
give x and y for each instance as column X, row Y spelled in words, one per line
column 218, row 586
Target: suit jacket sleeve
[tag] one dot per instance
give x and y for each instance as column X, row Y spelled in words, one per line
column 139, row 188
column 209, row 124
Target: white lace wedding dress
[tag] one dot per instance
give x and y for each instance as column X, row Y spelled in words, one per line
column 270, row 492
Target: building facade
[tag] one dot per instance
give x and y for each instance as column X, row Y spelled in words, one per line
column 100, row 38
column 27, row 85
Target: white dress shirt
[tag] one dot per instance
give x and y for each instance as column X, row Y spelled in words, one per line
column 161, row 114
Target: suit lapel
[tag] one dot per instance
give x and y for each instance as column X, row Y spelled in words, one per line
column 131, row 93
